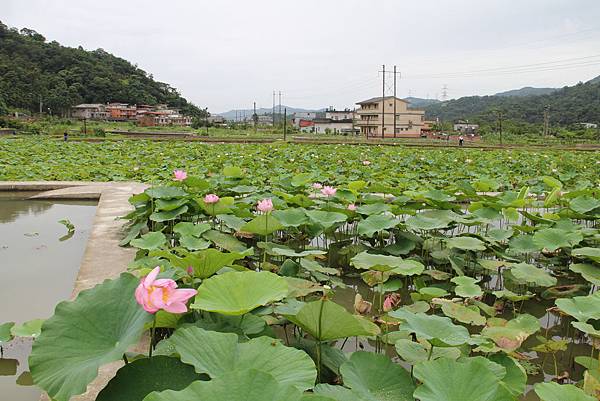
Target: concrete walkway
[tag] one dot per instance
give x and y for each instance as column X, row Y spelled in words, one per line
column 103, row 257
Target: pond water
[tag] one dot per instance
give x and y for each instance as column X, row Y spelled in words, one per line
column 38, row 266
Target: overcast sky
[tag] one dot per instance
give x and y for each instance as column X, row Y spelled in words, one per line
column 225, row 54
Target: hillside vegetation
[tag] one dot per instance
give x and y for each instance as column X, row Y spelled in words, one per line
column 32, row 69
column 569, row 105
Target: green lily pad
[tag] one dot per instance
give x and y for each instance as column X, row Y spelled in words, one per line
column 326, row 219
column 467, row 379
column 150, row 241
column 581, row 308
column 583, row 204
column 139, row 378
column 236, row 293
column 555, row 238
column 165, row 192
column 217, row 354
column 325, row 320
column 462, row 313
column 238, row 385
column 376, row 223
column 88, row 344
column 375, row 377
column 292, row 217
column 589, row 272
column 263, row 224
column 466, row 287
column 32, row 328
column 225, row 241
column 168, row 215
column 586, row 328
column 587, row 252
column 193, row 243
column 384, row 263
column 561, row 392
column 526, row 273
column 185, row 228
column 414, row 352
column 466, row 243
column 509, row 335
column 209, row 261
column 438, row 330
column 5, row 332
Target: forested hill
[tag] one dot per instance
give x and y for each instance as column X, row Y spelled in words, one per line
column 31, row 68
column 571, row 104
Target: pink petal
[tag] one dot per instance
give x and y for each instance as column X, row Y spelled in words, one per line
column 151, row 276
column 181, row 295
column 176, row 307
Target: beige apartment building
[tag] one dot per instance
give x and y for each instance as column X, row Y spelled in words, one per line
column 376, row 117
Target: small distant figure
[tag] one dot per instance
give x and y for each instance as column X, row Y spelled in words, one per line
column 66, row 136
column 461, row 140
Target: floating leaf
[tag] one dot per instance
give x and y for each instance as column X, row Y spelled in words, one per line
column 462, row 313
column 414, row 352
column 555, row 238
column 185, row 228
column 587, row 252
column 589, row 272
column 583, row 204
column 384, row 263
column 236, row 293
column 326, row 219
column 466, row 287
column 31, row 328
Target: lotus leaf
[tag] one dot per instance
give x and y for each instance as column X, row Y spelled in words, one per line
column 555, row 238
column 376, row 223
column 139, row 378
column 438, row 330
column 415, row 352
column 581, row 308
column 530, row 274
column 589, row 272
column 73, row 334
column 509, row 335
column 587, row 252
column 217, row 354
column 466, row 287
column 325, row 320
column 262, row 225
column 552, row 391
column 150, row 241
column 466, row 243
column 236, row 293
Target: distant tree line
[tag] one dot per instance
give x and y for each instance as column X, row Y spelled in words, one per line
column 32, row 70
column 566, row 106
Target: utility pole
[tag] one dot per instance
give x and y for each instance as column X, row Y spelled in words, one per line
column 445, row 92
column 273, row 114
column 284, row 124
column 499, row 114
column 546, row 120
column 394, row 101
column 40, row 97
column 255, row 118
column 206, row 119
column 353, row 113
column 279, row 113
column 383, row 105
column 84, row 126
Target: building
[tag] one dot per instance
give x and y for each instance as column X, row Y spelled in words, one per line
column 375, row 118
column 265, row 119
column 216, row 119
column 303, row 116
column 163, row 118
column 337, row 115
column 121, row 112
column 330, row 126
column 464, row 127
column 306, row 125
column 588, row 125
column 90, row 111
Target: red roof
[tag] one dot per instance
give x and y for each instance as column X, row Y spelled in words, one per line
column 306, row 123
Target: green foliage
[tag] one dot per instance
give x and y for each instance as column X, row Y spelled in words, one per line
column 31, row 68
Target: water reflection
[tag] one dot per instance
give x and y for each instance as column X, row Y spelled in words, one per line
column 37, row 270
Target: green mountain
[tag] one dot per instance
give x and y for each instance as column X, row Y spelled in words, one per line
column 32, row 69
column 527, row 91
column 420, row 103
column 569, row 105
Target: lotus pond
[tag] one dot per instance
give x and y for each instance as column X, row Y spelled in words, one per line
column 39, row 259
column 392, row 168
column 319, row 289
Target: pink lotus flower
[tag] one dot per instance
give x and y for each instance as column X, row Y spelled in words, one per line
column 210, row 199
column 352, row 207
column 328, row 191
column 366, row 162
column 180, row 175
column 317, row 185
column 265, row 205
column 154, row 295
column 190, row 270
column 390, row 302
